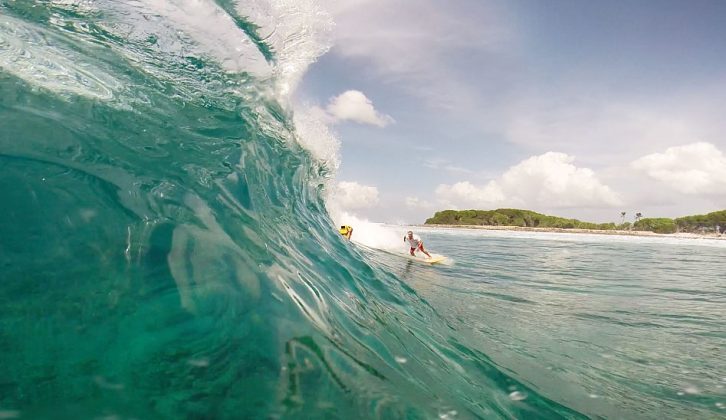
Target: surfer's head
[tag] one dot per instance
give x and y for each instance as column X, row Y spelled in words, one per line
column 409, row 233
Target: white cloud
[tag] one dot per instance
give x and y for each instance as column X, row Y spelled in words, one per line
column 352, row 195
column 549, row 180
column 445, row 165
column 605, row 127
column 410, row 43
column 465, row 194
column 553, row 180
column 353, row 105
column 697, row 168
column 417, row 203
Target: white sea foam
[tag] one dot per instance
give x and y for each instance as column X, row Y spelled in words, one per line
column 517, row 396
column 298, row 32
column 200, row 363
column 314, row 134
column 580, row 237
column 365, row 232
column 196, row 27
column 46, row 60
column 690, row 389
column 182, row 28
column 150, row 34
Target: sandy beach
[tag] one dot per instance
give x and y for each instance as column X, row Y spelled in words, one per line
column 580, row 231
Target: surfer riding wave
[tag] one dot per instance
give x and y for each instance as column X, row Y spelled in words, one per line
column 415, row 243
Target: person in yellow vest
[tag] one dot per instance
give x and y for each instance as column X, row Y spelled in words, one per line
column 346, row 231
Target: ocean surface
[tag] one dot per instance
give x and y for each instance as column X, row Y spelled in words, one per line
column 607, row 326
column 167, row 251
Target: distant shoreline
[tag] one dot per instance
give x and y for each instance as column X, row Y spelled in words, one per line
column 581, row 231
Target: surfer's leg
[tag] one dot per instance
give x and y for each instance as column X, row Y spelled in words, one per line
column 423, row 250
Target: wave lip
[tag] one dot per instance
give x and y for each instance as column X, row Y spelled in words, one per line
column 43, row 59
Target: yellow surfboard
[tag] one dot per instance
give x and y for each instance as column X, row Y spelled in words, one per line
column 435, row 259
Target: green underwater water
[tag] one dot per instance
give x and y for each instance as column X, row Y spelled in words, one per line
column 166, row 253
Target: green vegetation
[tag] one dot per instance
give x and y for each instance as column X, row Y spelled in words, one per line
column 527, row 218
column 659, row 225
column 512, row 217
column 701, row 222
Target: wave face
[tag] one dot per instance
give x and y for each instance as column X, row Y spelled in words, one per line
column 164, row 242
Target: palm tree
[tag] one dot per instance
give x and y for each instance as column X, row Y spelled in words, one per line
column 638, row 216
column 622, row 214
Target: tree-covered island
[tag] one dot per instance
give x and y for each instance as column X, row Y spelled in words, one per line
column 705, row 223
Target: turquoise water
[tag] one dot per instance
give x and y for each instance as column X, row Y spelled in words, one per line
column 616, row 327
column 166, row 252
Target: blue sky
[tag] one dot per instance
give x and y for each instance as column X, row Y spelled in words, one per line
column 580, row 109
